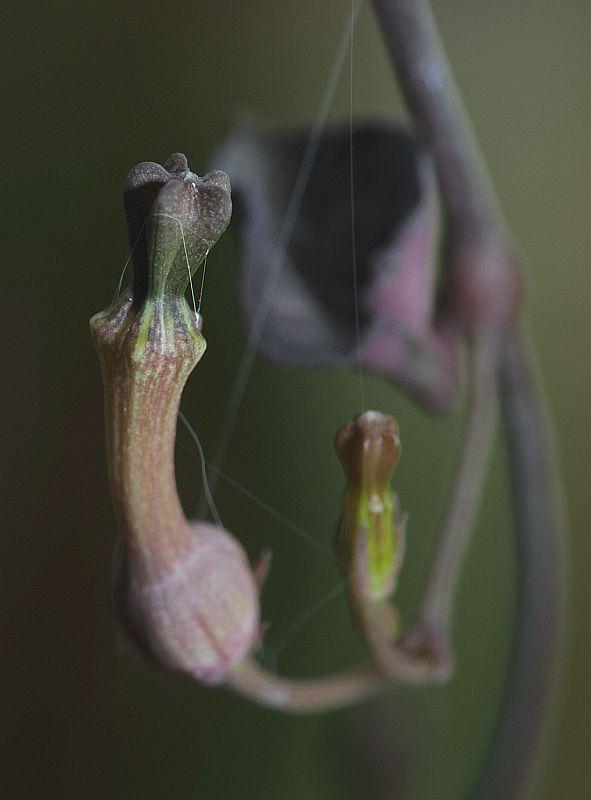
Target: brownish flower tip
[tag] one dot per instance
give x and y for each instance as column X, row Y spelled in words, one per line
column 369, row 447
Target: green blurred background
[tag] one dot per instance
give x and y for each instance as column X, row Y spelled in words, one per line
column 88, row 90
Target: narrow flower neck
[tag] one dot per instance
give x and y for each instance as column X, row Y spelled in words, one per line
column 146, row 358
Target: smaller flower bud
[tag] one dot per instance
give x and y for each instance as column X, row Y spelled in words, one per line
column 369, row 538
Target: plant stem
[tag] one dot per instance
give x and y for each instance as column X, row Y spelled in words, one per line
column 435, row 102
column 392, row 663
column 436, row 604
column 539, row 631
column 422, row 659
column 254, row 682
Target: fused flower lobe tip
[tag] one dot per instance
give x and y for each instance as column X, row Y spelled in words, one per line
column 174, row 217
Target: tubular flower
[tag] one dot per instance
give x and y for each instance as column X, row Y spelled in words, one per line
column 186, row 592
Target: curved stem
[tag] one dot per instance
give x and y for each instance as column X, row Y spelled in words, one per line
column 538, row 639
column 254, row 682
column 436, row 605
column 294, row 695
column 423, row 659
column 432, row 96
